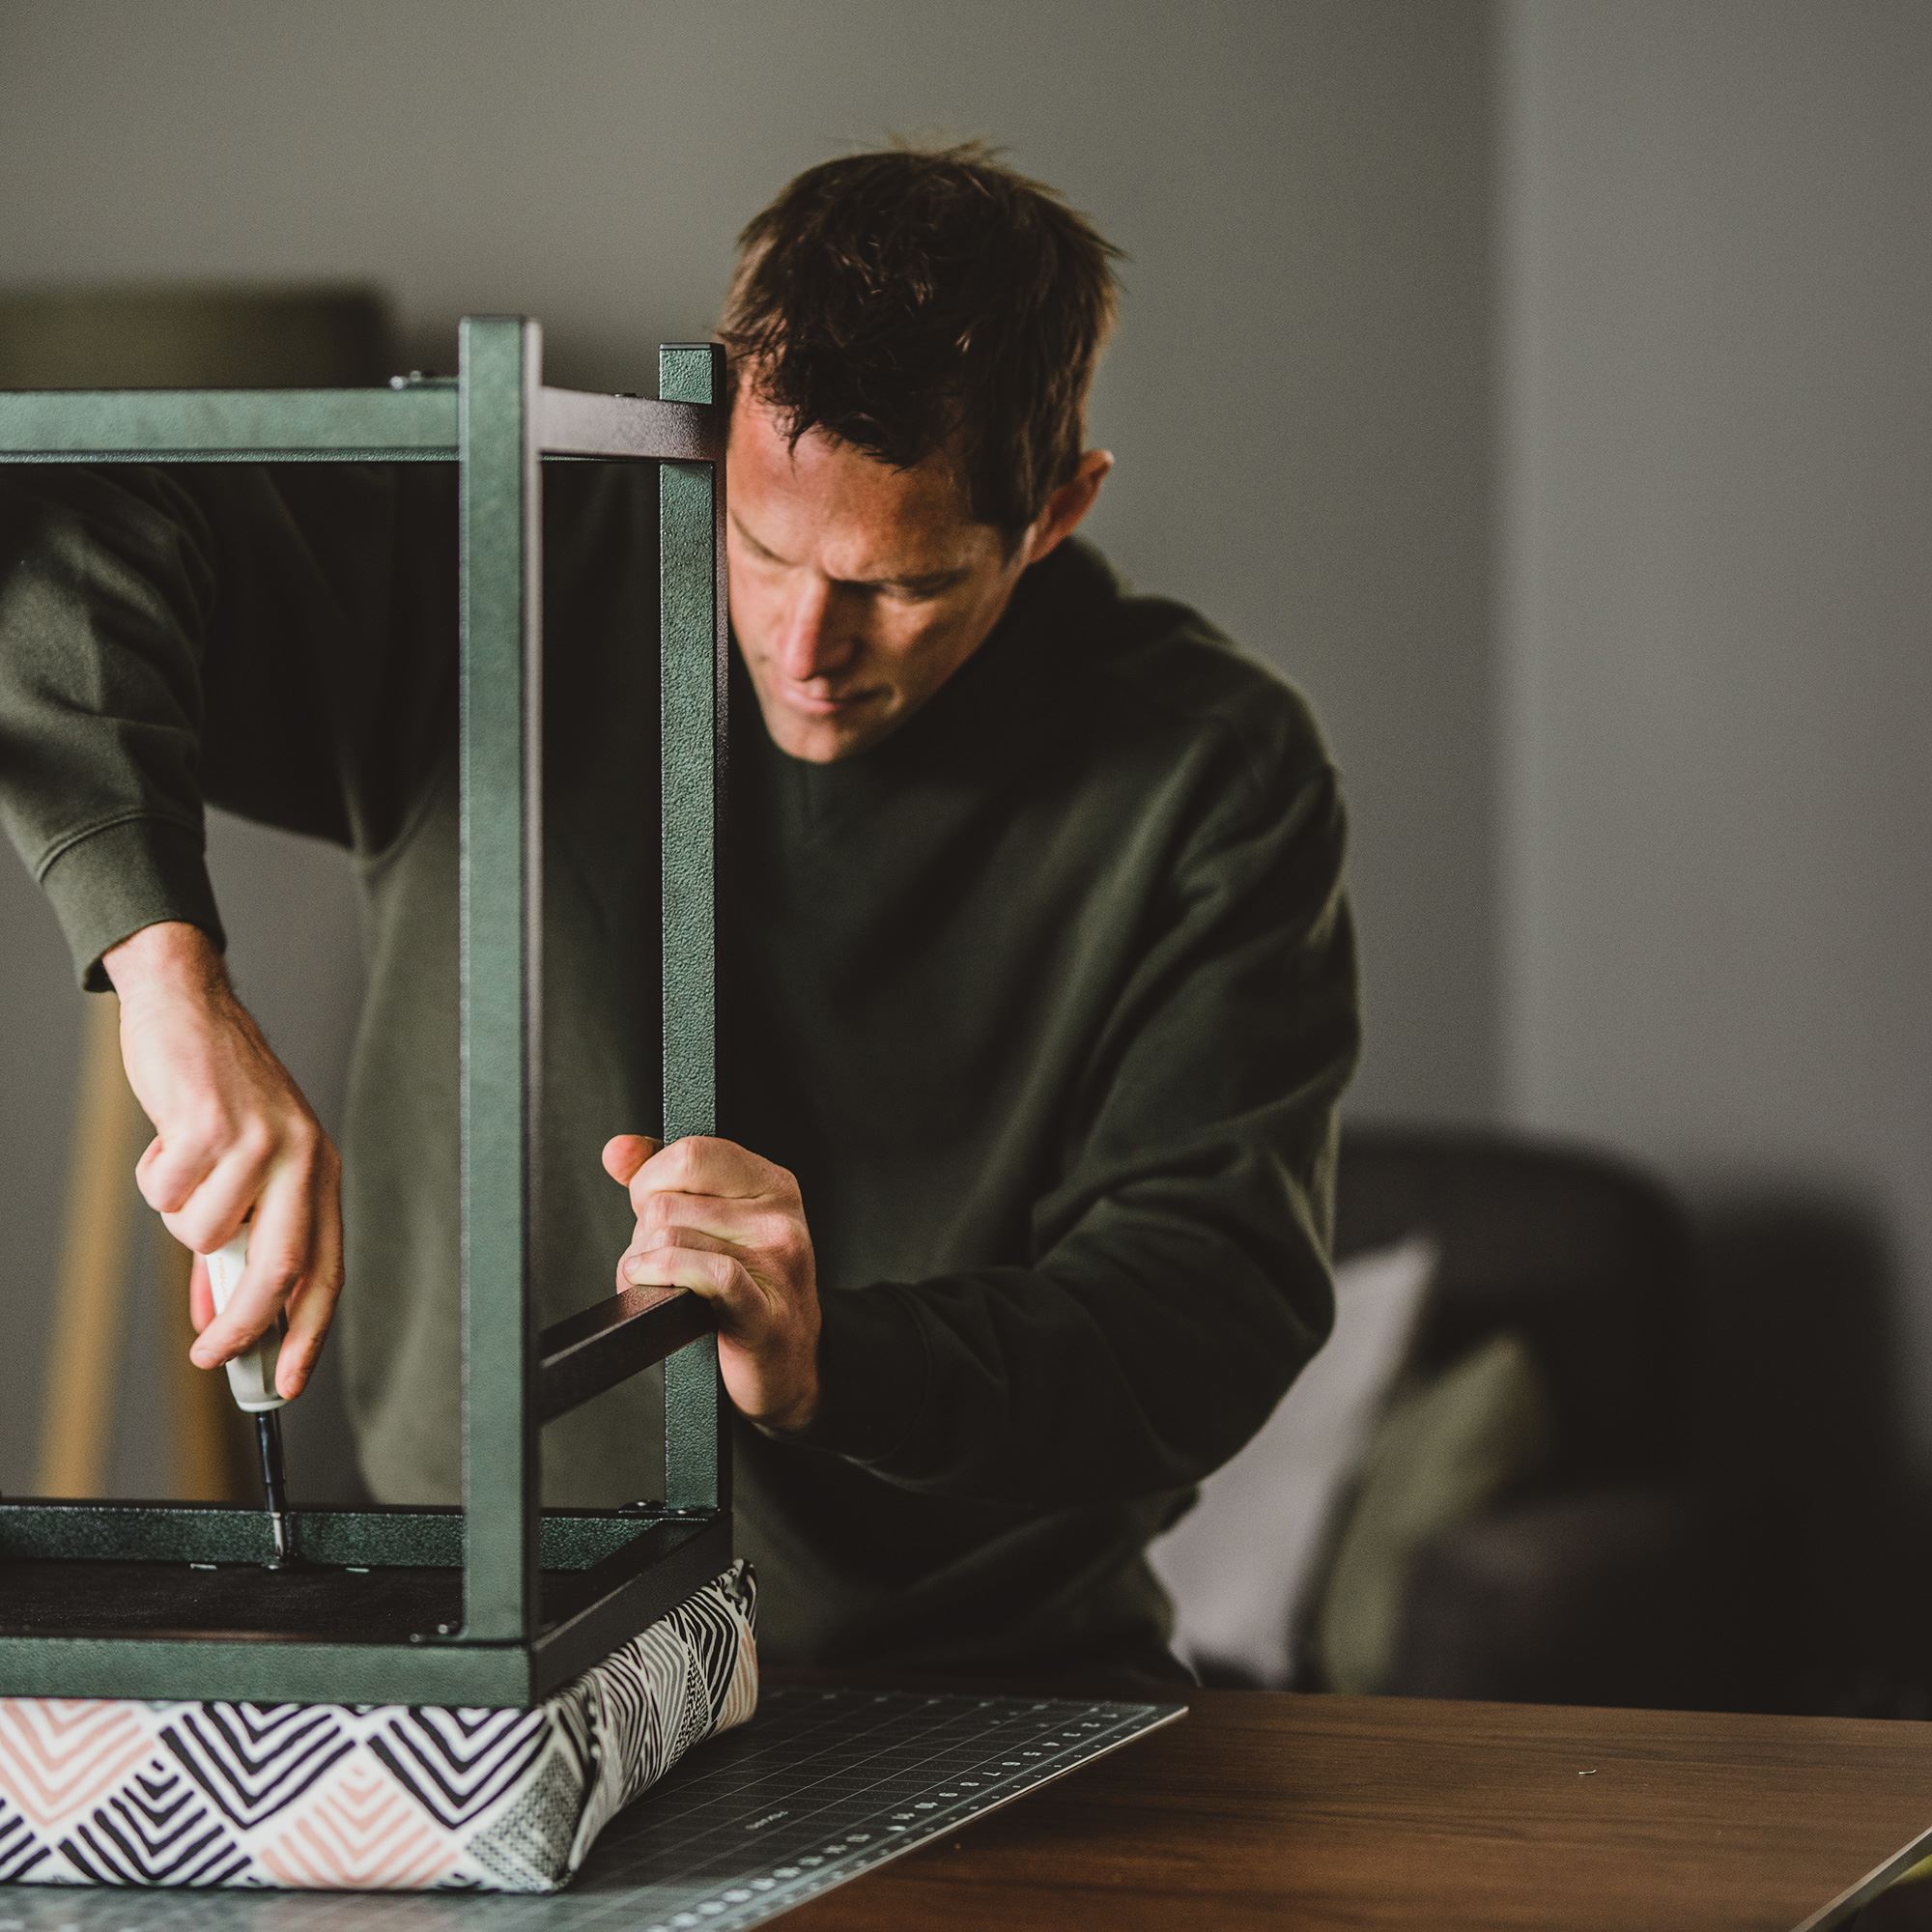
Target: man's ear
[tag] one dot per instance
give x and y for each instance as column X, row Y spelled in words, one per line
column 1061, row 514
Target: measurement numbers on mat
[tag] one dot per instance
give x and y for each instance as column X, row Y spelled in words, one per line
column 827, row 1784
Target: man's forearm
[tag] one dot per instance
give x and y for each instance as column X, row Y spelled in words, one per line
column 1117, row 1371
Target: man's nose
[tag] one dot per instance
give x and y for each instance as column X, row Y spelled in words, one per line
column 817, row 637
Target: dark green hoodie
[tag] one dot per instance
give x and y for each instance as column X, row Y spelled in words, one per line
column 1047, row 1000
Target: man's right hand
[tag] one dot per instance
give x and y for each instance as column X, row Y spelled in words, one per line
column 233, row 1135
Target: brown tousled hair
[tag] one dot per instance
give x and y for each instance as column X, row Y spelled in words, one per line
column 893, row 299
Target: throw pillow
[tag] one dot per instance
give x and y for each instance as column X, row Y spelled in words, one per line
column 1446, row 1451
column 1243, row 1566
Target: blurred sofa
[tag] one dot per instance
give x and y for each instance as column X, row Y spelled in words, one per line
column 1611, row 1577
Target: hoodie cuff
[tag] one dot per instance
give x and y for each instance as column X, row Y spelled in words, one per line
column 112, row 881
column 873, row 1374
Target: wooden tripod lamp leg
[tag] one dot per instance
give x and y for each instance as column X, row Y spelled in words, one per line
column 208, row 1451
column 90, row 1286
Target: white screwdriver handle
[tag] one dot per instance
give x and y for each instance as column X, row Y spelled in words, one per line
column 252, row 1377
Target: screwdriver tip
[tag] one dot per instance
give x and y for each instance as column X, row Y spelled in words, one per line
column 268, row 1440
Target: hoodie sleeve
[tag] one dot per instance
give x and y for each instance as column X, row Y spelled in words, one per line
column 1182, row 1278
column 229, row 634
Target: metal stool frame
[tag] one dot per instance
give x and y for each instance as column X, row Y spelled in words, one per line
column 544, row 1595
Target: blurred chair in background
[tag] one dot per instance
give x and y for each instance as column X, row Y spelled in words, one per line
column 1606, row 1575
column 1532, row 1516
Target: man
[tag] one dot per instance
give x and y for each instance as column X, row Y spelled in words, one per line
column 1039, row 979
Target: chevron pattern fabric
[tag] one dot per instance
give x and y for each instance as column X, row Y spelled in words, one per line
column 368, row 1798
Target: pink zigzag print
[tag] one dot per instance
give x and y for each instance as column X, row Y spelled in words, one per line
column 57, row 1755
column 359, row 1835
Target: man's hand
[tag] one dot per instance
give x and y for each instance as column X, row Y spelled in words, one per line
column 715, row 1219
column 233, row 1133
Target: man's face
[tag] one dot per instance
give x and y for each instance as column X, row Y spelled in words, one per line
column 857, row 589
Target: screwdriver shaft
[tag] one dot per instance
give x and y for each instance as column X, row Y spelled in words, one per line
column 274, row 1486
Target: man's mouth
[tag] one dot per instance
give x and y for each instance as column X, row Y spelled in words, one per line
column 825, row 704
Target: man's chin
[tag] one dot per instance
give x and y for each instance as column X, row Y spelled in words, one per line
column 824, row 741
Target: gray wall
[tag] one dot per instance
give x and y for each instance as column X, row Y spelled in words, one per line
column 1639, row 850
column 1299, row 395
column 1718, row 516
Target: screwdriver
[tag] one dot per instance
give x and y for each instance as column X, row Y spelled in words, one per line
column 251, row 1380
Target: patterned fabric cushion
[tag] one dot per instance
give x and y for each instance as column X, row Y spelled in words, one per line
column 368, row 1798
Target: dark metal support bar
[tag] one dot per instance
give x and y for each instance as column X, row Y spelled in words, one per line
column 571, row 422
column 584, row 1355
column 501, row 925
column 695, row 640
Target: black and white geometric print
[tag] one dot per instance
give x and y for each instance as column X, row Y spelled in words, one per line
column 116, row 1791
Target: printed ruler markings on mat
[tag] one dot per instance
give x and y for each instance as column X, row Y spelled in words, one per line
column 835, row 1783
column 821, row 1786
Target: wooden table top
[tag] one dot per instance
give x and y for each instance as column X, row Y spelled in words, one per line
column 1311, row 1812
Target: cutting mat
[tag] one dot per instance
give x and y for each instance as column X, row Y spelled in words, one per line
column 822, row 1785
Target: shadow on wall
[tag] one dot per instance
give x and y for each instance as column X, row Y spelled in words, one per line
column 194, row 337
column 1805, row 1417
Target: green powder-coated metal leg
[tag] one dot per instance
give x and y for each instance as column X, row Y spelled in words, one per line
column 690, row 499
column 501, row 939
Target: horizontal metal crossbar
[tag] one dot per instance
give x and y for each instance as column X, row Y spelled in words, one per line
column 182, row 1609
column 584, row 1355
column 248, row 1670
column 414, row 423
column 374, row 1537
column 409, row 422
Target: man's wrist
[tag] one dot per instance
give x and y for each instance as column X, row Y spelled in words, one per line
column 798, row 1414
column 873, row 1385
column 170, row 959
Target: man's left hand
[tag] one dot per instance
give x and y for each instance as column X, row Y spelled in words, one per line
column 715, row 1219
